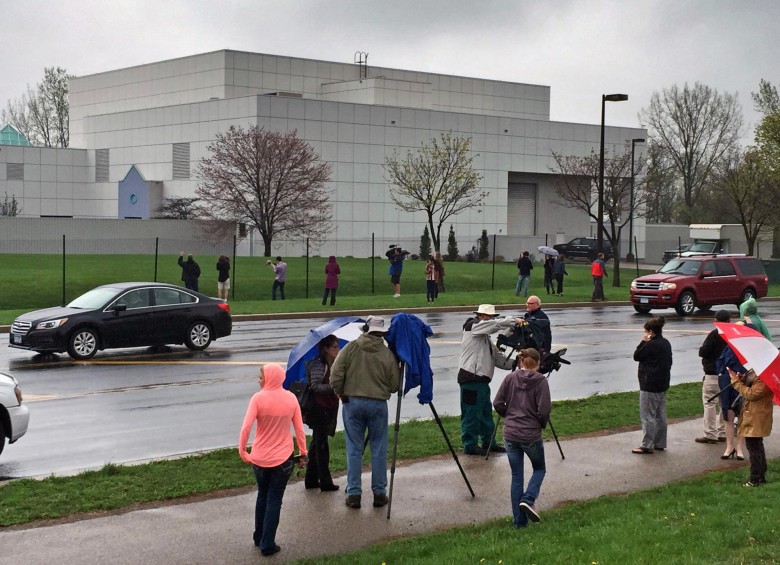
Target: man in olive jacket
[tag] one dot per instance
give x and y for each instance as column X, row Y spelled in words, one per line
column 364, row 375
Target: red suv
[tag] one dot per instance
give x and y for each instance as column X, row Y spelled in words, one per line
column 686, row 283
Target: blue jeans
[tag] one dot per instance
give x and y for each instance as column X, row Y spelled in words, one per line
column 280, row 286
column 535, row 453
column 271, row 482
column 522, row 284
column 359, row 415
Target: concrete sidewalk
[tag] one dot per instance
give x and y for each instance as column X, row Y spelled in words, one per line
column 429, row 495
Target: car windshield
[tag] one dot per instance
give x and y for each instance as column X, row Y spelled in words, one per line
column 680, row 267
column 95, row 298
column 703, row 247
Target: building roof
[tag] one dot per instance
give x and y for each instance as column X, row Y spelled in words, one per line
column 10, row 136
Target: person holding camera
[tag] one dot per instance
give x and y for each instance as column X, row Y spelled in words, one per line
column 364, row 375
column 523, row 400
column 478, row 359
column 756, row 421
column 654, row 354
column 272, row 411
column 280, row 277
column 396, row 255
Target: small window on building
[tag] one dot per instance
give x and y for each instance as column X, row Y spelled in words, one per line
column 102, row 162
column 14, row 171
column 181, row 161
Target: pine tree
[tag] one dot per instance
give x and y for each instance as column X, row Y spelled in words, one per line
column 425, row 244
column 452, row 246
column 484, row 242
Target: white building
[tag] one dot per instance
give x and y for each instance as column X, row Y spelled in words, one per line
column 149, row 125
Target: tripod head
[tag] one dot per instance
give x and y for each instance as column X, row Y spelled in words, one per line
column 553, row 361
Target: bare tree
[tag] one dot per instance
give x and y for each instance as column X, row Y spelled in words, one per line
column 766, row 100
column 10, row 208
column 697, row 126
column 576, row 187
column 271, row 180
column 178, row 208
column 42, row 113
column 662, row 194
column 437, row 179
column 747, row 190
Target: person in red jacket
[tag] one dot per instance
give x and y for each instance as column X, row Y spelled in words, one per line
column 332, row 272
column 272, row 410
column 598, row 270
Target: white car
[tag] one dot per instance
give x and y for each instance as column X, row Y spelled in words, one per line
column 14, row 416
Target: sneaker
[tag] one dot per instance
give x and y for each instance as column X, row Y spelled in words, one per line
column 706, row 440
column 396, row 296
column 353, row 501
column 751, row 484
column 530, row 512
column 380, row 500
column 476, row 450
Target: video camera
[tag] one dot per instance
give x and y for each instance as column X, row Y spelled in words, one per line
column 391, row 251
column 552, row 361
column 519, row 337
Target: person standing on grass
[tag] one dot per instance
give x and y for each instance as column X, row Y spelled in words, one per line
column 396, row 257
column 524, row 268
column 523, row 400
column 430, row 279
column 280, row 277
column 755, row 423
column 190, row 271
column 559, row 270
column 710, row 350
column 364, row 375
column 598, row 270
column 549, row 262
column 223, row 278
column 332, row 272
column 478, row 359
column 439, row 274
column 654, row 354
column 271, row 411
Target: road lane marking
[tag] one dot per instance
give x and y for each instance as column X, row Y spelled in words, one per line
column 164, row 362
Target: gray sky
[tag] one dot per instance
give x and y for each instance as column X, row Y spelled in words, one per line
column 580, row 48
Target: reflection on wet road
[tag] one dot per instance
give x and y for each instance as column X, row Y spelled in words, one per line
column 139, row 404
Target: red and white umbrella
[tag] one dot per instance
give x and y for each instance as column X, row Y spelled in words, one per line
column 755, row 352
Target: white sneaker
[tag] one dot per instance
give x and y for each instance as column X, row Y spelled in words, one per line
column 530, row 512
column 396, row 296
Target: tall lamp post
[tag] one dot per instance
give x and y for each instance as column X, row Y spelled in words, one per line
column 600, row 221
column 630, row 255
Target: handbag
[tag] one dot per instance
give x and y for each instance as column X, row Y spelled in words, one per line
column 305, row 395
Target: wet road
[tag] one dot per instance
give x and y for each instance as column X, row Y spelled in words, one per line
column 135, row 405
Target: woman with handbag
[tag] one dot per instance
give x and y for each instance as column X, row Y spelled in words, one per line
column 322, row 419
column 271, row 411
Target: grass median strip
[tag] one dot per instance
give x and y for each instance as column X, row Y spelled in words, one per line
column 119, row 486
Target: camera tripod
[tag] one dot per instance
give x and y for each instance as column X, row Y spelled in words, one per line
column 552, row 362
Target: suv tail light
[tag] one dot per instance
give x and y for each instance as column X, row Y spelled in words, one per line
column 224, row 306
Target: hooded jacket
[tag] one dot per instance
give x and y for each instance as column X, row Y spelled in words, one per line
column 478, row 356
column 365, row 368
column 524, row 400
column 190, row 270
column 332, row 272
column 756, row 417
column 655, row 364
column 272, row 409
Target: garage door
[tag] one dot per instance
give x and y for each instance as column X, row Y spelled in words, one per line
column 521, row 209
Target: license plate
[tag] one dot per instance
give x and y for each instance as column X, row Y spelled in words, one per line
column 17, row 338
column 644, row 300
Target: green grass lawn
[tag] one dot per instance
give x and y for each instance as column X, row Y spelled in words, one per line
column 118, row 486
column 27, row 284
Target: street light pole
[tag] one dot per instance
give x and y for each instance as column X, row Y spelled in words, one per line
column 600, row 219
column 630, row 255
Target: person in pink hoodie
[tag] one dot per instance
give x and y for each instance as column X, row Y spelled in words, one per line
column 332, row 272
column 271, row 410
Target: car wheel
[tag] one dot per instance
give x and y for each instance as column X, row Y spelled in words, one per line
column 686, row 304
column 2, row 437
column 83, row 344
column 705, row 307
column 198, row 336
column 747, row 293
column 642, row 309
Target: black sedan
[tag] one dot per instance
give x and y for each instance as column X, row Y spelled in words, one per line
column 124, row 315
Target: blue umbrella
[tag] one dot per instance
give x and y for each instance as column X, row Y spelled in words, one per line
column 346, row 328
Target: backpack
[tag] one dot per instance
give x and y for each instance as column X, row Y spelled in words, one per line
column 305, row 395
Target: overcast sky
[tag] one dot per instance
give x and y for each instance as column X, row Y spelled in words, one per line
column 580, row 48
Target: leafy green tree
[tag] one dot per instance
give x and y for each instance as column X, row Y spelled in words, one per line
column 452, row 246
column 484, row 243
column 425, row 244
column 438, row 179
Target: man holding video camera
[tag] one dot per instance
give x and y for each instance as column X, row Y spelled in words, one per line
column 396, row 255
column 478, row 359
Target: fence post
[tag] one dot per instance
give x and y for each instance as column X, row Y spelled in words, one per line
column 307, row 267
column 372, row 262
column 63, row 270
column 156, row 256
column 233, row 275
column 493, row 281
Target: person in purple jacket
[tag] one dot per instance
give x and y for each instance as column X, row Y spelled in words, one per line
column 332, row 272
column 523, row 399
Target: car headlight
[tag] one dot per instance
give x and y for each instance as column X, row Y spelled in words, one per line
column 633, row 284
column 51, row 324
column 667, row 286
